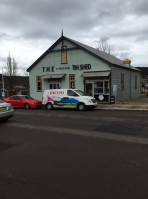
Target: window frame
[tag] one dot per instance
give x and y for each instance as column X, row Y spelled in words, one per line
column 135, row 82
column 39, row 81
column 64, row 55
column 72, row 80
column 122, row 81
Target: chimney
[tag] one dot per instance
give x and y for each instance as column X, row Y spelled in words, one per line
column 127, row 62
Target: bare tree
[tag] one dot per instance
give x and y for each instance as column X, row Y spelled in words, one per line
column 11, row 67
column 11, row 71
column 104, row 45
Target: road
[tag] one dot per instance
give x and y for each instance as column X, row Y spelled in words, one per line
column 67, row 154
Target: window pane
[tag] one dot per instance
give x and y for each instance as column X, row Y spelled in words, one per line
column 71, row 93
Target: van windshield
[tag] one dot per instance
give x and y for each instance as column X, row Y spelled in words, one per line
column 80, row 92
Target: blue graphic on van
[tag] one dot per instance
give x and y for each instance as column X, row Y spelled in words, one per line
column 69, row 101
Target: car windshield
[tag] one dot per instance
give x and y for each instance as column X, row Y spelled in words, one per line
column 80, row 92
column 1, row 101
column 26, row 97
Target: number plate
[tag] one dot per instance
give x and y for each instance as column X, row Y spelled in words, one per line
column 2, row 108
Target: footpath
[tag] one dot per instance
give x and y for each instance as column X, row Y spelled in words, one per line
column 140, row 104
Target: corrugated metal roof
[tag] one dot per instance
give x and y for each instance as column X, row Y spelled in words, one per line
column 106, row 56
column 100, row 54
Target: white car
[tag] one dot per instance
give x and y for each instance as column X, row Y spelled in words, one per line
column 6, row 110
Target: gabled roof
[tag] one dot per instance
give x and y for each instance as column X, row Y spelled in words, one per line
column 110, row 59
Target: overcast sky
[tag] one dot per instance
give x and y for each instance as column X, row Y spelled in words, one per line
column 29, row 28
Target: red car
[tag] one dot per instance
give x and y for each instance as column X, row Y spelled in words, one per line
column 23, row 101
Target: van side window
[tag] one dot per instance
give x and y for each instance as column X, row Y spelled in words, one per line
column 71, row 93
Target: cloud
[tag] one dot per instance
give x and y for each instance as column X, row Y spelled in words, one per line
column 28, row 28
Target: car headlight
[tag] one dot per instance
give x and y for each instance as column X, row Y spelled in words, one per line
column 9, row 108
column 33, row 102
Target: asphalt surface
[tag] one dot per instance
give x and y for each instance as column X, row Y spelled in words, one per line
column 67, row 154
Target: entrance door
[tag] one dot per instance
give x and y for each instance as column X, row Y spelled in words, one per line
column 89, row 89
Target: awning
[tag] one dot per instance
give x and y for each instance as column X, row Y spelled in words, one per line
column 96, row 74
column 53, row 76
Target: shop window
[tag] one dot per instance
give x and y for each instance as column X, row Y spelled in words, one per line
column 39, row 84
column 64, row 55
column 98, row 87
column 122, row 81
column 136, row 82
column 106, row 87
column 72, row 81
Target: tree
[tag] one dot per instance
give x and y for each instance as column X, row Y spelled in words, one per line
column 11, row 67
column 104, row 46
column 11, row 71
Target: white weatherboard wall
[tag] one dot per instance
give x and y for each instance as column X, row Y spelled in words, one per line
column 74, row 57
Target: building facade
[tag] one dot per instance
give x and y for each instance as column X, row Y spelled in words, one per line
column 71, row 64
column 14, row 85
column 144, row 81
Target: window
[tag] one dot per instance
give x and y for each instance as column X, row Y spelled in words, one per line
column 39, row 84
column 122, row 81
column 71, row 93
column 98, row 87
column 64, row 55
column 72, row 81
column 52, row 68
column 18, row 98
column 54, row 86
column 13, row 98
column 135, row 82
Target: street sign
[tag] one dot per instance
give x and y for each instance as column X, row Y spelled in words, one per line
column 3, row 94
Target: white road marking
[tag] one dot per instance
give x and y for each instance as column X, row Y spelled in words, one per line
column 93, row 134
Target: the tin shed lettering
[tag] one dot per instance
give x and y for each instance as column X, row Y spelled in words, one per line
column 82, row 67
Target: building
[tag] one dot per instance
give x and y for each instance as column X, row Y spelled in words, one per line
column 71, row 64
column 144, row 81
column 14, row 85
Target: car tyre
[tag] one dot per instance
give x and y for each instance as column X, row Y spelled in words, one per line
column 49, row 106
column 81, row 107
column 27, row 107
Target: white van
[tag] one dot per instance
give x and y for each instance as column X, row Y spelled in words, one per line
column 67, row 98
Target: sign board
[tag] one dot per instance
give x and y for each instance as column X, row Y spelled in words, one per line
column 3, row 94
column 114, row 88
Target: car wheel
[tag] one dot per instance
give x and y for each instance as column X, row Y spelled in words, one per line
column 49, row 106
column 27, row 107
column 81, row 107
